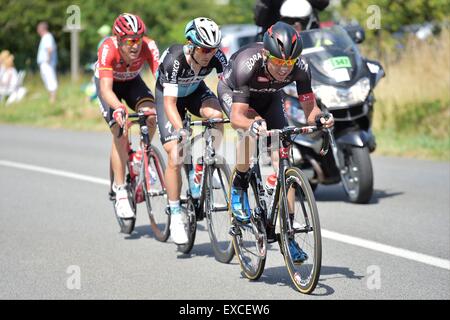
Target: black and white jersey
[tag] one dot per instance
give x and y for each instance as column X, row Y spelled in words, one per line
column 176, row 76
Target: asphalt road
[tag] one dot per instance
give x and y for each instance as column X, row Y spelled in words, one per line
column 54, row 226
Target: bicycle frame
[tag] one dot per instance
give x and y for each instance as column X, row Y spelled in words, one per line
column 271, row 210
column 208, row 155
column 140, row 118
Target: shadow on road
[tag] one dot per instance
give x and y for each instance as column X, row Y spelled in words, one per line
column 279, row 276
column 202, row 250
column 338, row 272
column 337, row 193
column 145, row 231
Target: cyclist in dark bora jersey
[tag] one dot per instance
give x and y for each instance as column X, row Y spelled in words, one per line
column 250, row 95
column 180, row 86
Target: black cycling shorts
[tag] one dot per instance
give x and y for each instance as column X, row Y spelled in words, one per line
column 134, row 92
column 192, row 103
column 268, row 105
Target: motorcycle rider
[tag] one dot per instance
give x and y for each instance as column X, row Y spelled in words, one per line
column 267, row 12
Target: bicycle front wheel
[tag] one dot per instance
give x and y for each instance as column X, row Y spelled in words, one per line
column 249, row 239
column 216, row 209
column 301, row 241
column 156, row 195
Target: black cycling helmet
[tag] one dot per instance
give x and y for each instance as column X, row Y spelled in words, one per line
column 283, row 41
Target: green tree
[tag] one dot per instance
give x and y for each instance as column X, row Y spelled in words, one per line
column 165, row 21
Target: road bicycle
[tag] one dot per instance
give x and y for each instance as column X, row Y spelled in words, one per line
column 293, row 206
column 145, row 179
column 213, row 201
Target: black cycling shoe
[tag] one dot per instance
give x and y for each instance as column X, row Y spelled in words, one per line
column 271, row 236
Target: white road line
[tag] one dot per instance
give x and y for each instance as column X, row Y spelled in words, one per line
column 372, row 245
column 54, row 172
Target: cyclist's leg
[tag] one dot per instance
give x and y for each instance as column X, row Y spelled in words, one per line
column 275, row 118
column 172, row 176
column 210, row 109
column 140, row 97
column 118, row 156
column 169, row 140
column 245, row 145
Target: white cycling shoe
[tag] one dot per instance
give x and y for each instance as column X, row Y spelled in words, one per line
column 123, row 208
column 178, row 228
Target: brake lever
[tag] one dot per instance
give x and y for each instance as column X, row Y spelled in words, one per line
column 121, row 128
column 325, row 142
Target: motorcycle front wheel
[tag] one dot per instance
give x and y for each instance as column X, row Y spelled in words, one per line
column 357, row 176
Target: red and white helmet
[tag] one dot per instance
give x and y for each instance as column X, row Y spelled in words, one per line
column 128, row 24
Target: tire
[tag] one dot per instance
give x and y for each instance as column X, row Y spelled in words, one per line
column 250, row 240
column 358, row 181
column 217, row 221
column 305, row 275
column 191, row 226
column 156, row 197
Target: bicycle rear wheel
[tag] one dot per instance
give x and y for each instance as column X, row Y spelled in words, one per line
column 216, row 209
column 249, row 239
column 156, row 195
column 299, row 221
column 126, row 225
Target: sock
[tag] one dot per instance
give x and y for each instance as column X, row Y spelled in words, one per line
column 119, row 189
column 175, row 207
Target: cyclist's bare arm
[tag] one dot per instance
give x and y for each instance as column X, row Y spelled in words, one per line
column 107, row 93
column 238, row 116
column 311, row 110
column 170, row 107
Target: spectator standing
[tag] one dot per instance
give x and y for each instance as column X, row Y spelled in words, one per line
column 47, row 59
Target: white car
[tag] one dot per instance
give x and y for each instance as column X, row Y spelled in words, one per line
column 235, row 36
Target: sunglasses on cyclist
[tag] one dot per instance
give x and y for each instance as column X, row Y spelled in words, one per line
column 131, row 41
column 206, row 50
column 281, row 62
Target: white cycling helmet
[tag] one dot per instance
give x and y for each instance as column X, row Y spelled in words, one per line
column 292, row 11
column 296, row 9
column 203, row 32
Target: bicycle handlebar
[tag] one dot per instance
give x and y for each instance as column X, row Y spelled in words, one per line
column 137, row 115
column 286, row 132
column 209, row 123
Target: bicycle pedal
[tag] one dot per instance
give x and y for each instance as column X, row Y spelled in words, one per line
column 234, row 231
column 271, row 238
column 112, row 196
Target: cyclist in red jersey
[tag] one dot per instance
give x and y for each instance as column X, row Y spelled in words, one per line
column 121, row 58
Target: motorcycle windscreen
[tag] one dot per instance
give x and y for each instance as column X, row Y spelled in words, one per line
column 331, row 54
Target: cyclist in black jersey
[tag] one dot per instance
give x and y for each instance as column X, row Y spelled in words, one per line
column 250, row 95
column 180, row 86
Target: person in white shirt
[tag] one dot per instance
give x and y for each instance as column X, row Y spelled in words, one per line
column 47, row 59
column 3, row 55
column 8, row 76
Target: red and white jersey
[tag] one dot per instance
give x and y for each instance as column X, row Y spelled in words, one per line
column 110, row 63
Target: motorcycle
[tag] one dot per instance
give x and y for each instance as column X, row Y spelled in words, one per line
column 343, row 83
